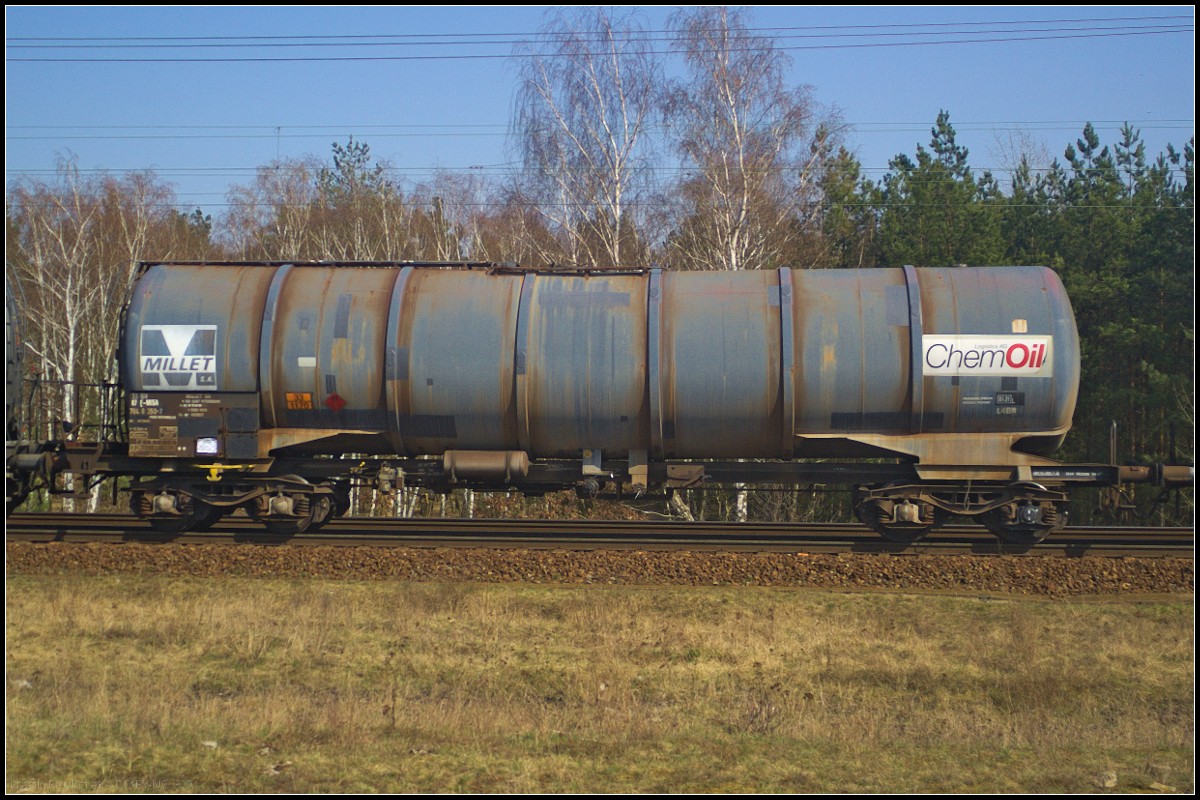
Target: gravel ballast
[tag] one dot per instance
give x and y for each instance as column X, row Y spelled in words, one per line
column 1018, row 575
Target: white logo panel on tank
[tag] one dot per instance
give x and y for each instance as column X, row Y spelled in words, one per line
column 1012, row 355
column 179, row 358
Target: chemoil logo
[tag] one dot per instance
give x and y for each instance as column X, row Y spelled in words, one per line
column 179, row 358
column 1029, row 356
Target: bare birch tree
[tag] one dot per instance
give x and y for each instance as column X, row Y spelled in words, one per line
column 361, row 214
column 55, row 263
column 587, row 96
column 513, row 230
column 456, row 216
column 270, row 219
column 304, row 209
column 73, row 244
column 753, row 146
column 1016, row 147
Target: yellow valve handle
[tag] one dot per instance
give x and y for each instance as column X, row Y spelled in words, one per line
column 214, row 470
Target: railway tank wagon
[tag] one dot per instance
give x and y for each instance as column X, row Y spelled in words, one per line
column 255, row 378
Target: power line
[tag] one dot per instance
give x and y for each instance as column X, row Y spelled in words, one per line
column 339, row 127
column 511, row 167
column 484, row 171
column 418, row 36
column 501, row 130
column 400, row 40
column 998, row 204
column 462, row 57
column 662, row 180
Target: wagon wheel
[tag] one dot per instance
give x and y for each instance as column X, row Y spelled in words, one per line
column 180, row 523
column 1013, row 532
column 1027, row 521
column 211, row 516
column 288, row 527
column 880, row 521
column 900, row 532
column 322, row 512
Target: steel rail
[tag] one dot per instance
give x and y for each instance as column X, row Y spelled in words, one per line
column 610, row 535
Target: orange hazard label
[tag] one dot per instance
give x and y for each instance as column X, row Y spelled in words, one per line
column 299, row 401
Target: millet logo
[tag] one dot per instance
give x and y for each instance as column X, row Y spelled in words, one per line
column 179, row 358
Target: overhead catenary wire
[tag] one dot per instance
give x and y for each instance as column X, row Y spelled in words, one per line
column 502, row 129
column 399, row 177
column 1000, row 37
column 752, row 29
column 402, row 40
column 998, row 205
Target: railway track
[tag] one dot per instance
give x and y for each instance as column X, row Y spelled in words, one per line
column 602, row 535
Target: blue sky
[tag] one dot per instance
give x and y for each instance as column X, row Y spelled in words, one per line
column 204, row 126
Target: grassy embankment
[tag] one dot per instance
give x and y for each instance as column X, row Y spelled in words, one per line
column 257, row 685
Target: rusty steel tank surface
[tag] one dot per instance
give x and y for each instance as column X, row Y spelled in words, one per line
column 955, row 364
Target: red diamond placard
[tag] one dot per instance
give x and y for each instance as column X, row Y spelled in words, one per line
column 335, row 402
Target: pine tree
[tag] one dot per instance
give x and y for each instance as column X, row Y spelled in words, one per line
column 935, row 212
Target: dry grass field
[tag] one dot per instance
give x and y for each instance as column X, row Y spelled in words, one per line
column 258, row 685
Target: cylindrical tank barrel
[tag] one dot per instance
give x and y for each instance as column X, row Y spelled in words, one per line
column 677, row 364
